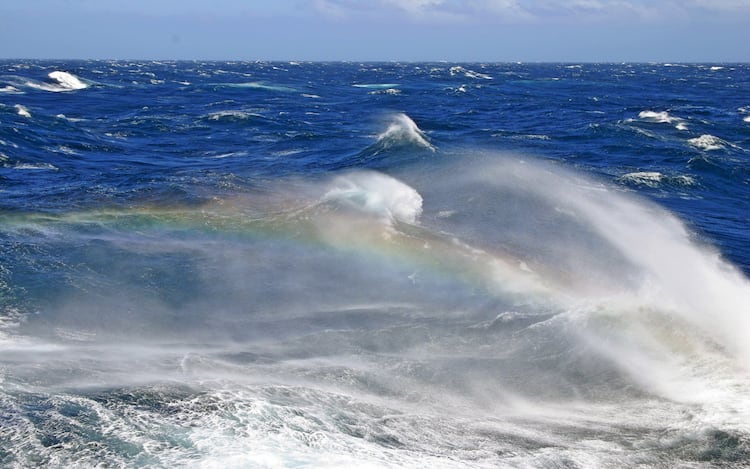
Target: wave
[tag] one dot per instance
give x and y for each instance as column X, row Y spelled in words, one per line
column 708, row 142
column 490, row 302
column 58, row 82
column 663, row 117
column 456, row 70
column 378, row 194
column 655, row 179
column 233, row 115
column 388, row 91
column 35, row 166
column 376, row 85
column 23, row 111
column 402, row 130
column 257, row 85
column 9, row 89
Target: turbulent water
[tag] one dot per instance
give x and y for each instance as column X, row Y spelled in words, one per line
column 391, row 265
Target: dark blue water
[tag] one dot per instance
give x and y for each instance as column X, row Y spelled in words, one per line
column 304, row 264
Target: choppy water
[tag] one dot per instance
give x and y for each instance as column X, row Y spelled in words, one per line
column 394, row 265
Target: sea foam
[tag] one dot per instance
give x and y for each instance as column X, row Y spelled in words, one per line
column 67, row 81
column 663, row 117
column 377, row 194
column 708, row 142
column 404, row 130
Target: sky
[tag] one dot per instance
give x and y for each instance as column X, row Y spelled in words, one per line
column 379, row 30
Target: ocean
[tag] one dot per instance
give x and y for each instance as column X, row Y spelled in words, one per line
column 283, row 264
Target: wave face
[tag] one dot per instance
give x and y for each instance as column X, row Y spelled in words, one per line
column 334, row 281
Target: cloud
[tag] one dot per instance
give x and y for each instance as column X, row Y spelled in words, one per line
column 721, row 5
column 525, row 11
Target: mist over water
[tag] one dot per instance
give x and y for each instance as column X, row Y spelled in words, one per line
column 435, row 303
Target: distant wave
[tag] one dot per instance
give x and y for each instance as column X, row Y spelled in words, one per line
column 35, row 166
column 389, row 91
column 58, row 81
column 232, row 115
column 376, row 85
column 708, row 143
column 9, row 89
column 257, row 85
column 663, row 117
column 458, row 70
column 655, row 179
column 23, row 111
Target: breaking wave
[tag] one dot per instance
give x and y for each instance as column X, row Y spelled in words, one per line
column 402, row 130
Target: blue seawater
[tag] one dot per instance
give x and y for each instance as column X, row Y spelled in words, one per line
column 258, row 264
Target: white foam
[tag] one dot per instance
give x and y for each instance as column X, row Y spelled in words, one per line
column 660, row 117
column 10, row 90
column 229, row 155
column 708, row 142
column 260, row 86
column 69, row 119
column 388, row 91
column 663, row 117
column 23, row 111
column 35, row 167
column 647, row 178
column 403, row 129
column 67, row 81
column 746, row 119
column 655, row 178
column 716, row 68
column 469, row 73
column 378, row 194
column 376, row 85
column 232, row 114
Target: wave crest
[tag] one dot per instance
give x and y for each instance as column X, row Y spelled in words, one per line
column 403, row 130
column 377, row 194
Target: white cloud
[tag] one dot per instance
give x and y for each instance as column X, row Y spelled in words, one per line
column 722, row 5
column 330, row 9
column 416, row 7
column 467, row 11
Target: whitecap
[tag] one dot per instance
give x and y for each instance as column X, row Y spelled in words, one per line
column 37, row 166
column 708, row 142
column 66, row 150
column 67, row 81
column 289, row 152
column 260, row 86
column 10, row 90
column 229, row 155
column 312, row 96
column 232, row 114
column 746, row 119
column 646, row 178
column 716, row 68
column 661, row 117
column 388, row 91
column 403, row 129
column 469, row 73
column 69, row 119
column 376, row 85
column 23, row 111
column 377, row 194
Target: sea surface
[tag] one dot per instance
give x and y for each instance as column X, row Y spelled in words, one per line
column 241, row 264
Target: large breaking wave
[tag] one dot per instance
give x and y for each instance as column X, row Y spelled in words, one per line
column 469, row 309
